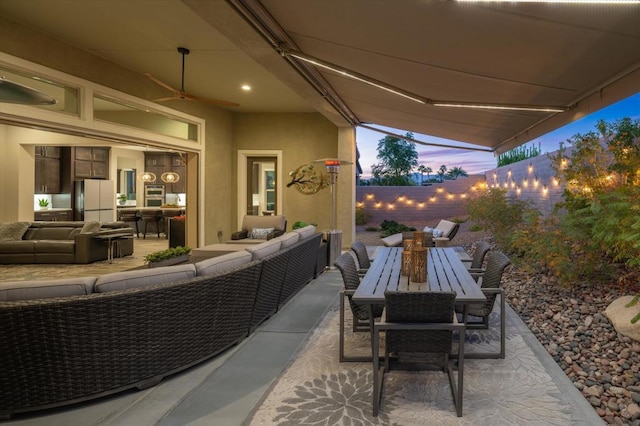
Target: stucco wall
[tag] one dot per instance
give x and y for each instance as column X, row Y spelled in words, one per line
column 530, row 180
column 302, row 138
column 418, row 203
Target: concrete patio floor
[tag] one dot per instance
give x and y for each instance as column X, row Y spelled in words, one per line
column 225, row 390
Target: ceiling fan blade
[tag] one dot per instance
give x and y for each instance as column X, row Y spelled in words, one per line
column 160, row 82
column 209, row 100
column 168, row 98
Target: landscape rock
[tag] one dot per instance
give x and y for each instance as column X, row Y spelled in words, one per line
column 620, row 316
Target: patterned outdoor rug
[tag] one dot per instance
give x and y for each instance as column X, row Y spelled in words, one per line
column 316, row 389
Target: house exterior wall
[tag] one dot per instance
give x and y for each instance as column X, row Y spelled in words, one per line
column 302, row 137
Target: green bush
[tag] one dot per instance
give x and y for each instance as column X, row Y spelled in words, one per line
column 601, row 228
column 301, row 224
column 390, row 227
column 498, row 214
column 518, row 154
column 166, row 254
column 371, row 229
column 362, row 217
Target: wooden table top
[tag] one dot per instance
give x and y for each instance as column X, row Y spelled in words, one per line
column 445, row 272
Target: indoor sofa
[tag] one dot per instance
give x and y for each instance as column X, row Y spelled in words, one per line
column 75, row 339
column 62, row 242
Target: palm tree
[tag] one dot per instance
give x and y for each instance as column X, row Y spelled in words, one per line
column 422, row 169
column 456, row 172
column 441, row 171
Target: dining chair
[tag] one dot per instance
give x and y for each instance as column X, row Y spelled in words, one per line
column 479, row 253
column 416, row 324
column 360, row 251
column 490, row 283
column 347, row 267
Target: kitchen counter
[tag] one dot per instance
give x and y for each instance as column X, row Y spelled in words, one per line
column 132, row 209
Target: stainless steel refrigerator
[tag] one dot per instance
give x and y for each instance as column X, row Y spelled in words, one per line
column 95, row 200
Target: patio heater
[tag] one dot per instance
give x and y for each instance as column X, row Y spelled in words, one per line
column 333, row 235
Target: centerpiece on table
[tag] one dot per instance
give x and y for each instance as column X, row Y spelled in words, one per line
column 167, row 257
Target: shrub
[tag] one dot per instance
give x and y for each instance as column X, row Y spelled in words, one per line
column 498, row 214
column 518, row 154
column 371, row 229
column 166, row 254
column 362, row 217
column 301, row 224
column 390, row 227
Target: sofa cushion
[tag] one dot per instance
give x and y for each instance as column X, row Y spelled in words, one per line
column 305, row 232
column 21, row 246
column 144, row 277
column 226, row 262
column 13, row 231
column 45, row 289
column 49, row 233
column 260, row 233
column 262, row 250
column 249, row 222
column 288, row 239
column 90, row 227
column 55, row 246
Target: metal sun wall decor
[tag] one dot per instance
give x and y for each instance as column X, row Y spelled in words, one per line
column 307, row 180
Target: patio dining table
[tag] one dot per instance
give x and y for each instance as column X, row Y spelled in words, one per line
column 445, row 272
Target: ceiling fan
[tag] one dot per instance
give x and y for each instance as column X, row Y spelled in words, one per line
column 181, row 94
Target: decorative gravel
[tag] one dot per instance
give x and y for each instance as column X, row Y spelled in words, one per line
column 570, row 323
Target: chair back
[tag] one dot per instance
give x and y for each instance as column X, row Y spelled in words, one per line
column 482, row 248
column 347, row 267
column 150, row 215
column 419, row 307
column 361, row 253
column 492, row 277
column 128, row 216
column 277, row 222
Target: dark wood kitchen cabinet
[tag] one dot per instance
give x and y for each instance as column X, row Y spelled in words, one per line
column 178, row 166
column 159, row 163
column 91, row 162
column 53, row 216
column 47, row 170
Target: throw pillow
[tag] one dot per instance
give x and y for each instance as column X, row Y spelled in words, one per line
column 437, row 233
column 13, row 231
column 90, row 227
column 261, row 233
column 427, row 229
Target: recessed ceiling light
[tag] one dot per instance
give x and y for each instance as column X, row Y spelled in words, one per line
column 246, row 87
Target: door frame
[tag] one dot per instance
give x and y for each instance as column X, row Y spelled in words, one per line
column 243, row 154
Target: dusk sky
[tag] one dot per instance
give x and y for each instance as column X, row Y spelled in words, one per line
column 474, row 162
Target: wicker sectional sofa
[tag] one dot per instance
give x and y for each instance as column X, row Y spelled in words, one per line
column 66, row 341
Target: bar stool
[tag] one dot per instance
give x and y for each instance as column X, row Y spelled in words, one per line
column 130, row 216
column 153, row 216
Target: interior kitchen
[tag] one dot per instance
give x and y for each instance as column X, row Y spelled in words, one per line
column 102, row 182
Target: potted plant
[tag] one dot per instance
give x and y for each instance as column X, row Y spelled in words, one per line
column 43, row 203
column 170, row 256
column 122, row 199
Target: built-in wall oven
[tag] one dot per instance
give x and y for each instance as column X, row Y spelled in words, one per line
column 153, row 195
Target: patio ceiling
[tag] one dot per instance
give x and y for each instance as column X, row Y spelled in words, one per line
column 583, row 57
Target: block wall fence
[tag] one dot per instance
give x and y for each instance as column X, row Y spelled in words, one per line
column 529, row 180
